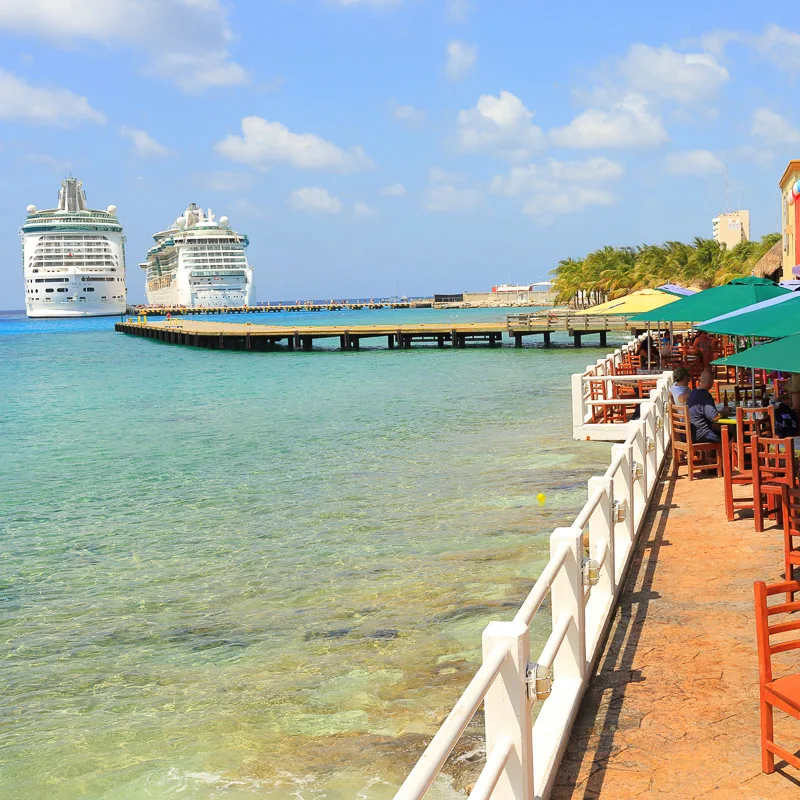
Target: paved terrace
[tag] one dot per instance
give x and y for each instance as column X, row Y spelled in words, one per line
column 673, row 710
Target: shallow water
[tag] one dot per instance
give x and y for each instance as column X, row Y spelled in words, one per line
column 231, row 575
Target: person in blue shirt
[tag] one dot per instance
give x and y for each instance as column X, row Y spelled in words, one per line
column 703, row 414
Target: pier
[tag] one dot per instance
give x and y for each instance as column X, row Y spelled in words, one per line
column 262, row 337
column 249, row 336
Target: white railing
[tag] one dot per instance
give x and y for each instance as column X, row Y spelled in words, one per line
column 584, row 576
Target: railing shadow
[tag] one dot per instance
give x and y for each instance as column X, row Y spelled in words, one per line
column 598, row 712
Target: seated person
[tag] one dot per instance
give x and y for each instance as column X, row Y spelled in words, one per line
column 703, row 414
column 680, row 390
column 786, row 420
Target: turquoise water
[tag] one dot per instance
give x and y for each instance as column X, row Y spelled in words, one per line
column 238, row 575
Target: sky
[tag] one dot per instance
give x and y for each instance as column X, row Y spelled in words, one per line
column 398, row 147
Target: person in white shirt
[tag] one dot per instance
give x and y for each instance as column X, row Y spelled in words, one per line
column 680, row 390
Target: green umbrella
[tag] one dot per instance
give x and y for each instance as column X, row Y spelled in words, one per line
column 772, row 319
column 782, row 355
column 737, row 294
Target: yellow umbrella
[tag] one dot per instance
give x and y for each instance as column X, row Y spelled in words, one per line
column 634, row 303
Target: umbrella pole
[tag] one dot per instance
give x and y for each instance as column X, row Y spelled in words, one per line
column 648, row 347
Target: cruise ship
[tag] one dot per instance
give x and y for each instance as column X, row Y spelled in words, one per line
column 199, row 262
column 73, row 258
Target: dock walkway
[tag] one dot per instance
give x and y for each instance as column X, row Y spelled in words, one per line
column 249, row 336
column 673, row 709
column 258, row 336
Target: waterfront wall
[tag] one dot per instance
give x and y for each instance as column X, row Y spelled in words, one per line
column 589, row 561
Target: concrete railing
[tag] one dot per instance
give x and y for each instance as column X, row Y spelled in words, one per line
column 584, row 576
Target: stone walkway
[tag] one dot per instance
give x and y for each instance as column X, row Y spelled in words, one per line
column 673, row 709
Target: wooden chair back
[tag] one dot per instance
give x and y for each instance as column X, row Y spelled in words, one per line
column 791, row 531
column 782, row 693
column 773, row 460
column 773, row 469
column 750, row 395
column 751, row 422
column 682, row 444
column 764, row 630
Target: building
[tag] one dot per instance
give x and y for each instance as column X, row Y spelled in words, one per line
column 790, row 219
column 732, row 228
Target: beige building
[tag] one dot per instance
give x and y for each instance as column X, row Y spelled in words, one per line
column 732, row 228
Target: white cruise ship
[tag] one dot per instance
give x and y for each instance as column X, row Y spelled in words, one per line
column 199, row 262
column 73, row 258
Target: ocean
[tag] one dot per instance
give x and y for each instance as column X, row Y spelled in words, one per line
column 263, row 575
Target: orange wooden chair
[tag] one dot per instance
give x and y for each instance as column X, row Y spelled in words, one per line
column 791, row 531
column 733, row 477
column 773, row 469
column 750, row 422
column 781, row 693
column 597, row 391
column 682, row 444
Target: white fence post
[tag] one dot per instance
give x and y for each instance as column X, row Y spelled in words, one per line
column 649, row 417
column 601, row 532
column 624, row 531
column 639, row 467
column 578, row 405
column 507, row 710
column 566, row 596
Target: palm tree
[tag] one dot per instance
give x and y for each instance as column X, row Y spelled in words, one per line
column 613, row 272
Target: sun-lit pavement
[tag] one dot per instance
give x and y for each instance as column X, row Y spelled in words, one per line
column 673, row 710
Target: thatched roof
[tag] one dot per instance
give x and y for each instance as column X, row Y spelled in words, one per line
column 770, row 262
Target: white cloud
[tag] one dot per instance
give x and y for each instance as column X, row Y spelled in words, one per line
column 227, row 181
column 394, row 190
column 408, row 115
column 264, row 143
column 501, row 125
column 315, row 200
column 461, row 59
column 55, row 164
column 144, row 145
column 559, row 187
column 665, row 73
column 779, row 45
column 458, row 11
column 628, row 123
column 773, row 129
column 20, row 101
column 446, row 197
column 694, row 162
column 361, row 209
column 185, row 41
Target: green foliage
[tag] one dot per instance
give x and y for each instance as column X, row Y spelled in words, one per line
column 616, row 271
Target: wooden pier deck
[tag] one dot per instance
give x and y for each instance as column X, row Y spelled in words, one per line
column 250, row 336
column 258, row 336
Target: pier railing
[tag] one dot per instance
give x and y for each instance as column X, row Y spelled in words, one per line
column 588, row 564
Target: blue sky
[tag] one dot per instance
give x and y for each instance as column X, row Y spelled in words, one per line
column 379, row 147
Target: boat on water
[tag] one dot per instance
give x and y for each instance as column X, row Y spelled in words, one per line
column 199, row 262
column 73, row 258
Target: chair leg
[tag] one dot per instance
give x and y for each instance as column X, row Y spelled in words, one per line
column 767, row 758
column 758, row 518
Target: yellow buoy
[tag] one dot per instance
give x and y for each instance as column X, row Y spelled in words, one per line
column 541, row 498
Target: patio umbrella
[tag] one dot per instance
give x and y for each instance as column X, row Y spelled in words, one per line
column 771, row 319
column 678, row 291
column 782, row 355
column 634, row 303
column 714, row 302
